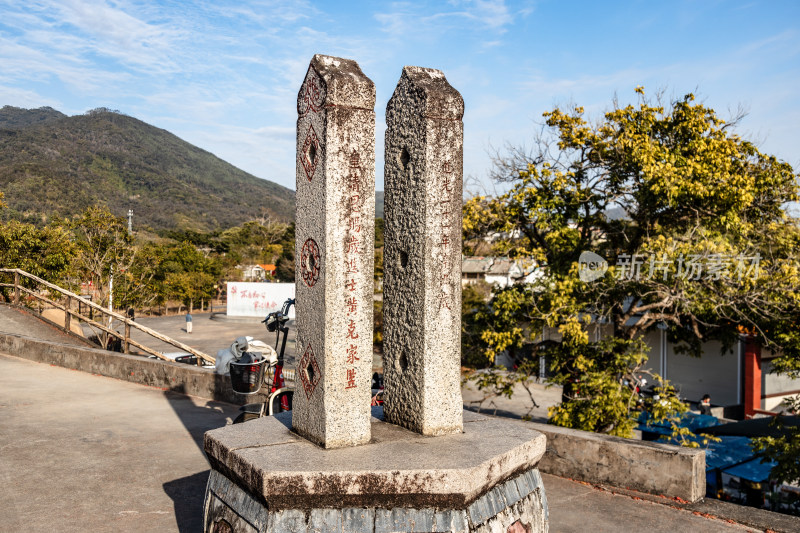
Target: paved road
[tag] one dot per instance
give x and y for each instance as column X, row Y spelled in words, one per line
column 86, row 453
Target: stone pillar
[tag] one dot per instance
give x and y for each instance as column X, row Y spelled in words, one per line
column 422, row 255
column 334, row 253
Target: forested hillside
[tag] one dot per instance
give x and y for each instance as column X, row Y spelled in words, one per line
column 55, row 165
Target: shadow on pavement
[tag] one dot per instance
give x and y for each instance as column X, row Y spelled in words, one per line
column 187, row 494
column 197, row 419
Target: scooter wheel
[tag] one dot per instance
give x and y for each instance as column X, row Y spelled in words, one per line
column 244, row 417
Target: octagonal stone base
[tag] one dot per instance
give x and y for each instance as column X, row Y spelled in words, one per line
column 267, row 478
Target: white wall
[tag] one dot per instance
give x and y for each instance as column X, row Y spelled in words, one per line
column 653, row 340
column 258, row 299
column 715, row 373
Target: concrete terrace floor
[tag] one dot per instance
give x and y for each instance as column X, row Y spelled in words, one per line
column 80, row 452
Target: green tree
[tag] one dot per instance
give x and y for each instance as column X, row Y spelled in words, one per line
column 783, row 449
column 105, row 247
column 701, row 245
column 188, row 275
column 285, row 264
column 47, row 252
column 191, row 287
column 257, row 241
column 139, row 285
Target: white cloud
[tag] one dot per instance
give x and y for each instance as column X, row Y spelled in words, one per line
column 404, row 19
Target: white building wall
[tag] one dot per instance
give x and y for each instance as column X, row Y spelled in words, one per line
column 502, row 281
column 715, row 373
column 654, row 356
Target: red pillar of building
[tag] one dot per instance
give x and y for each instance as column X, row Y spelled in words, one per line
column 752, row 377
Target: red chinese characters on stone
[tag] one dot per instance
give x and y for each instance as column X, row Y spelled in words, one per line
column 351, row 330
column 351, row 378
column 353, row 245
column 310, row 262
column 352, row 352
column 352, row 201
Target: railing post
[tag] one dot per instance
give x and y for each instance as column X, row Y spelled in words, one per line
column 126, row 345
column 67, row 315
column 16, row 288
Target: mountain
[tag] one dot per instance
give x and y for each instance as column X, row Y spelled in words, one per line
column 15, row 117
column 55, row 165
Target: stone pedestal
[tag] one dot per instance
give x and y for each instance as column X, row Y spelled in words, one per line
column 267, row 478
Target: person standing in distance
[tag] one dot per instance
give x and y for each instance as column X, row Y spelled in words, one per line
column 705, row 405
column 188, row 322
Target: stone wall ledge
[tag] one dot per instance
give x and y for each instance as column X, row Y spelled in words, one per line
column 166, row 375
column 651, row 467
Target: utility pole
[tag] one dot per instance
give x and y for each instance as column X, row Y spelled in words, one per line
column 110, row 295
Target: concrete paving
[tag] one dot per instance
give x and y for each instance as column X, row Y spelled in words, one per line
column 530, row 400
column 18, row 322
column 579, row 507
column 87, row 453
column 208, row 336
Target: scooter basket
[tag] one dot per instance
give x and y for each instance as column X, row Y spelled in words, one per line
column 246, row 377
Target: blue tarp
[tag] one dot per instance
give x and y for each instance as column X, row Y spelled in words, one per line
column 733, row 456
column 754, row 470
column 692, row 421
column 729, row 451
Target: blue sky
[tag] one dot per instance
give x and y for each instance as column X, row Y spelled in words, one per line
column 224, row 74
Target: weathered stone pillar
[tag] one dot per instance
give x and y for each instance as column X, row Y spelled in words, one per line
column 334, row 253
column 422, row 255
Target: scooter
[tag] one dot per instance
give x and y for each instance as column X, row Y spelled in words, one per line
column 253, row 364
column 378, row 395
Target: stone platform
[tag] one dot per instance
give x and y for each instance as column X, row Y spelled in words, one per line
column 267, row 478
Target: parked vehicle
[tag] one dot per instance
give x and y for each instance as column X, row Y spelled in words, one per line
column 252, row 364
column 377, row 390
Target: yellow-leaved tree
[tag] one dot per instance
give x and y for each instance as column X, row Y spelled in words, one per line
column 691, row 221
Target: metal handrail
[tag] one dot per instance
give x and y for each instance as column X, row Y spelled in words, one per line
column 69, row 313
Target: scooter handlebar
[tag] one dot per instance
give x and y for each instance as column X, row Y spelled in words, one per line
column 286, row 306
